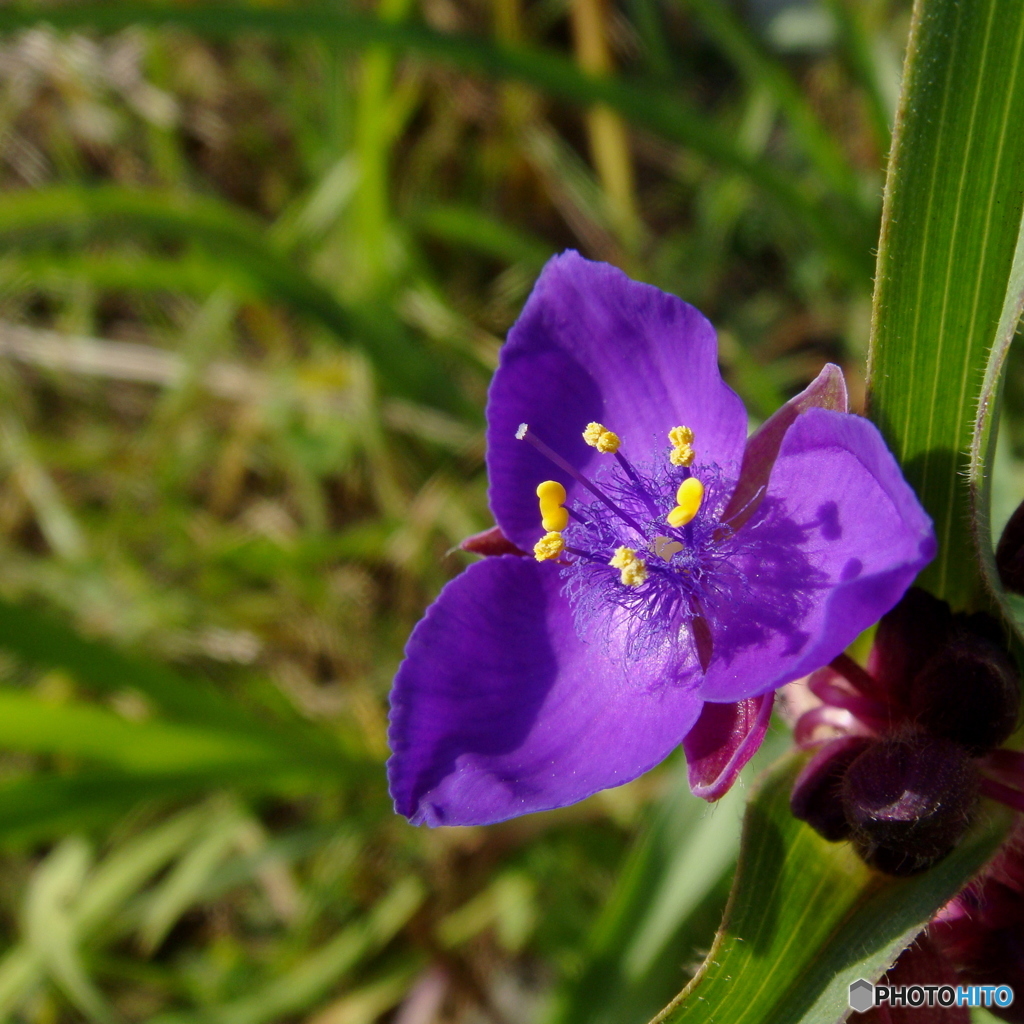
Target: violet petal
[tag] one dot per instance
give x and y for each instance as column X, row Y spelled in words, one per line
column 499, row 710
column 826, row 391
column 722, row 741
column 837, row 540
column 592, row 345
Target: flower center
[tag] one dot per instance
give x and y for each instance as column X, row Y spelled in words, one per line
column 648, row 549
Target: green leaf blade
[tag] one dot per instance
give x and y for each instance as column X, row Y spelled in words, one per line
column 45, row 640
column 91, row 732
column 952, row 214
column 807, row 917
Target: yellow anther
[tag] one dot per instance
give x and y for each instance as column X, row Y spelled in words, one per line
column 681, row 439
column 549, row 546
column 601, row 438
column 682, row 456
column 690, row 492
column 632, row 570
column 688, row 499
column 553, row 517
column 556, row 520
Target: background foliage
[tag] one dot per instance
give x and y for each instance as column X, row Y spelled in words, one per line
column 255, row 267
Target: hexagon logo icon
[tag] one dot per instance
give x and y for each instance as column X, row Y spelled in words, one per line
column 862, row 995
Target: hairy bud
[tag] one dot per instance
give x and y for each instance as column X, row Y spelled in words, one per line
column 905, row 642
column 908, row 800
column 969, row 691
column 981, row 930
column 817, row 796
column 1010, row 553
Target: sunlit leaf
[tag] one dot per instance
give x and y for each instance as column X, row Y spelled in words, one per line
column 92, row 732
column 50, row 931
column 90, row 903
column 952, row 213
column 666, row 904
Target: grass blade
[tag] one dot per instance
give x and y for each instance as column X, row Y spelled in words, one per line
column 31, row 218
column 867, row 66
column 846, row 237
column 952, row 214
column 44, row 640
column 313, row 975
column 91, row 732
column 763, row 69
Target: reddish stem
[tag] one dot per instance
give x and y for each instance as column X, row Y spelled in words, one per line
column 839, row 719
column 1008, row 761
column 872, row 712
column 1003, row 793
column 854, row 673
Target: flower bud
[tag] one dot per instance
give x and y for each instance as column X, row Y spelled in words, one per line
column 909, row 800
column 1010, row 552
column 969, row 691
column 817, row 793
column 905, row 641
column 981, row 930
column 981, row 933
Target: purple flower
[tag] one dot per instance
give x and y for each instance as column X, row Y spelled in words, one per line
column 681, row 577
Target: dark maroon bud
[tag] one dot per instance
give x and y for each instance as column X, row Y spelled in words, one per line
column 999, row 960
column 984, row 940
column 898, row 862
column 1010, row 553
column 905, row 641
column 969, row 692
column 909, row 799
column 817, row 796
column 980, row 624
column 1007, row 866
column 981, row 930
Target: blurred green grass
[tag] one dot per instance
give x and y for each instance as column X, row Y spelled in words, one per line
column 252, row 287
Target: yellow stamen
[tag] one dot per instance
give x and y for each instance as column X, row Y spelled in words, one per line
column 601, row 438
column 633, row 571
column 553, row 517
column 681, row 439
column 688, row 499
column 680, row 435
column 549, row 546
column 665, row 547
